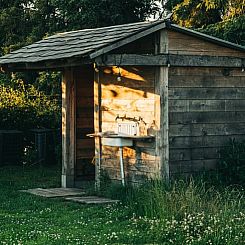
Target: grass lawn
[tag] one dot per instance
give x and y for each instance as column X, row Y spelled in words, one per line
column 187, row 215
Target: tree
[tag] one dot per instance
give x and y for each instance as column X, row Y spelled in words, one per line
column 198, row 13
column 231, row 30
column 25, row 21
column 14, row 24
column 79, row 14
column 221, row 18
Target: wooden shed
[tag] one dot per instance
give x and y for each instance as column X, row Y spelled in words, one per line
column 174, row 94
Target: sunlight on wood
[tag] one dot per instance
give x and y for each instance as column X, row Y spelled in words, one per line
column 124, row 73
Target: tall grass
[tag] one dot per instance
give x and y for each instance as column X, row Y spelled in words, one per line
column 155, row 199
column 187, row 212
column 183, row 213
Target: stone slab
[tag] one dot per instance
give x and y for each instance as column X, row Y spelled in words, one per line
column 91, row 200
column 55, row 192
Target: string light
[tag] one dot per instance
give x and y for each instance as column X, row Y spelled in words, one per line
column 168, row 61
column 96, row 69
column 119, row 77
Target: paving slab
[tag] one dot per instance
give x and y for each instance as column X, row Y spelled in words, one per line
column 91, row 200
column 55, row 192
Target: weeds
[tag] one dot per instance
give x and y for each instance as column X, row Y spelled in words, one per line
column 187, row 212
column 184, row 213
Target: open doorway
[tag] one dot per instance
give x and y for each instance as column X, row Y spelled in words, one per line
column 85, row 146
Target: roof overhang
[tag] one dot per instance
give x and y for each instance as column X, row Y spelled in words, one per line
column 127, row 40
column 89, row 58
column 84, row 59
column 169, row 26
column 57, row 65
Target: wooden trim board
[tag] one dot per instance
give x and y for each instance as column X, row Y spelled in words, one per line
column 169, row 59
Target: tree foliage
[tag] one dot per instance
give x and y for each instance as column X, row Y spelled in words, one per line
column 24, row 107
column 14, row 24
column 97, row 13
column 221, row 18
column 199, row 13
column 232, row 30
column 196, row 13
column 25, row 21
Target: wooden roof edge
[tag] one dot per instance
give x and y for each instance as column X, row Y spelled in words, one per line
column 21, row 64
column 45, row 65
column 142, row 32
column 205, row 37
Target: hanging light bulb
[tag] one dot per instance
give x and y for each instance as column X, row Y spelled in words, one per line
column 96, row 69
column 119, row 77
column 168, row 62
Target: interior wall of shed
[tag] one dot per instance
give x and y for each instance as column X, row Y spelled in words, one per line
column 143, row 45
column 206, row 109
column 134, row 96
column 85, row 146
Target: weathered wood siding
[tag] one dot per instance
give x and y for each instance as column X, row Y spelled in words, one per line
column 144, row 45
column 206, row 108
column 85, row 148
column 134, row 97
column 180, row 43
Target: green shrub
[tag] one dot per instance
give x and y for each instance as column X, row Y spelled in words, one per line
column 49, row 82
column 24, row 107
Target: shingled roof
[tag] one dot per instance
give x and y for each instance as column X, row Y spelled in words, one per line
column 74, row 43
column 90, row 43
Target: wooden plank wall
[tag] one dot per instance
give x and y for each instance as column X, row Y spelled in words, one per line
column 180, row 43
column 85, row 148
column 206, row 108
column 134, row 97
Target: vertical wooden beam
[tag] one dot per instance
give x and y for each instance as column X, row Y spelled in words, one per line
column 161, row 109
column 68, row 128
column 164, row 125
column 157, row 108
column 97, row 126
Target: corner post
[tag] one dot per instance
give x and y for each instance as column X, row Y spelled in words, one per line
column 68, row 129
column 164, row 125
column 97, row 126
column 162, row 116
